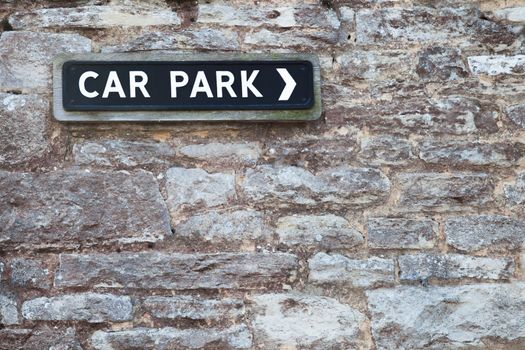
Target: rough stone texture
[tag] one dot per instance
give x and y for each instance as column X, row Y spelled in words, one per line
column 375, row 65
column 24, row 68
column 385, row 150
column 471, row 153
column 516, row 113
column 493, row 232
column 447, row 317
column 26, row 273
column 497, row 65
column 453, row 266
column 333, row 187
column 393, row 233
column 324, row 231
column 89, row 307
column 444, row 192
column 297, row 321
column 204, row 39
column 441, row 63
column 23, row 132
column 236, row 337
column 512, row 14
column 515, row 193
column 190, row 307
column 175, row 271
column 293, row 38
column 41, row 338
column 68, row 208
column 338, row 269
column 229, row 153
column 236, row 227
column 193, row 188
column 123, row 154
column 92, row 17
column 8, row 308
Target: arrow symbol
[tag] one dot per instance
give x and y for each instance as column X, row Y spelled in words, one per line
column 290, row 84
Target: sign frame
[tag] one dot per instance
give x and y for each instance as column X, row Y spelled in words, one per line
column 284, row 115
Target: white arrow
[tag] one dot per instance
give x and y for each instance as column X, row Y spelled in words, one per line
column 290, row 84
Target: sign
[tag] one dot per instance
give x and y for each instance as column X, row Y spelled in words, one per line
column 102, row 87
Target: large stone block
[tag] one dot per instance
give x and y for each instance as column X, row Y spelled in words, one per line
column 23, row 133
column 30, row 273
column 8, row 308
column 297, row 321
column 72, row 208
column 515, row 193
column 410, row 317
column 394, row 233
column 39, row 338
column 27, row 57
column 223, row 153
column 516, row 113
column 194, row 308
column 389, row 150
column 497, row 65
column 149, row 270
column 441, row 63
column 291, row 39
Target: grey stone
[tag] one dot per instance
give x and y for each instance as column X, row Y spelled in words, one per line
column 444, row 192
column 409, row 317
column 375, row 64
column 8, row 309
column 235, row 337
column 24, row 68
column 235, row 227
column 324, row 231
column 441, row 63
column 516, row 113
column 23, row 133
column 298, row 321
column 471, row 153
column 176, row 271
column 293, row 38
column 454, row 266
column 71, row 207
column 339, row 186
column 27, row 273
column 511, row 14
column 497, row 65
column 378, row 150
column 360, row 273
column 194, row 308
column 201, row 39
column 193, row 188
column 39, row 338
column 223, row 153
column 93, row 17
column 493, row 232
column 123, row 154
column 515, row 193
column 393, row 233
column 89, row 307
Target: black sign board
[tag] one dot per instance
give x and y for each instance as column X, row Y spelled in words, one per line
column 187, row 85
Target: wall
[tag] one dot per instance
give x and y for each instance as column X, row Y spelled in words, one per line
column 396, row 221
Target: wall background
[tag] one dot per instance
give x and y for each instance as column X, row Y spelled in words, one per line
column 397, row 221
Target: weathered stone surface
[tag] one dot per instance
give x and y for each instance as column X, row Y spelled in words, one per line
column 493, row 232
column 8, row 309
column 194, row 308
column 378, row 150
column 471, row 153
column 375, row 65
column 324, row 231
column 511, row 14
column 516, row 113
column 30, row 69
column 200, row 39
column 175, row 271
column 41, row 338
column 393, row 233
column 297, row 321
column 22, row 128
column 68, row 208
column 441, row 63
column 497, row 65
column 193, row 188
column 235, row 337
column 293, row 38
column 454, row 266
column 123, row 154
column 27, row 273
column 425, row 24
column 223, row 153
column 338, row 269
column 285, row 186
column 444, row 192
column 89, row 307
column 409, row 317
column 93, row 17
column 515, row 194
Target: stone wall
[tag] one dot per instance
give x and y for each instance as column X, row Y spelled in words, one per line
column 396, row 221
